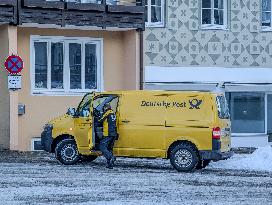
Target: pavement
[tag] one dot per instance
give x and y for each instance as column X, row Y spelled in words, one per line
column 37, row 178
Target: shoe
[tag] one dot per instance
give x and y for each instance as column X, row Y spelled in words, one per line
column 112, row 160
column 109, row 166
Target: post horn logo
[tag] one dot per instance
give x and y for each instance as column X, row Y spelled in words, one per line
column 195, row 103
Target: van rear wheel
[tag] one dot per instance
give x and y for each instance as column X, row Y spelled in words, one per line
column 66, row 152
column 184, row 157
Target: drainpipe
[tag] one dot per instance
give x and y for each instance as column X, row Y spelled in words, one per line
column 141, row 60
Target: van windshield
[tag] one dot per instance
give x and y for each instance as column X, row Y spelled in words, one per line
column 222, row 106
column 84, row 105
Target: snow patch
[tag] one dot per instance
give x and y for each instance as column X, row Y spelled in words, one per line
column 260, row 160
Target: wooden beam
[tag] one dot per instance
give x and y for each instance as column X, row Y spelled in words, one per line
column 8, row 2
column 85, row 6
column 44, row 4
column 126, row 9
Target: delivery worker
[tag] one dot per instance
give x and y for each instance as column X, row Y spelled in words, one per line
column 109, row 134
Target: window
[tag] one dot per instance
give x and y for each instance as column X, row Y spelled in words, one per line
column 269, row 114
column 222, row 106
column 65, row 66
column 154, row 13
column 214, row 14
column 266, row 14
column 247, row 112
column 80, row 1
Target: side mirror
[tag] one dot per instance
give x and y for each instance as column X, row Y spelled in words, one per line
column 71, row 111
column 85, row 113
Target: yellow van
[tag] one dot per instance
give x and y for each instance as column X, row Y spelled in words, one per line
column 189, row 128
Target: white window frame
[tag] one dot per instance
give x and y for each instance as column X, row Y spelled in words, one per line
column 216, row 26
column 33, row 140
column 266, row 28
column 66, row 91
column 155, row 24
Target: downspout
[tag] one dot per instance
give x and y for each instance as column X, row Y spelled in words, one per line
column 141, row 60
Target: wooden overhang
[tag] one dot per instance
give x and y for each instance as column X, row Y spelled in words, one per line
column 62, row 13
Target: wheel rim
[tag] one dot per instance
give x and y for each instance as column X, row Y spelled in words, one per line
column 69, row 152
column 183, row 158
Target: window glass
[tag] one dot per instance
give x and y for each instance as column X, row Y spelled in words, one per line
column 90, row 66
column 85, row 104
column 155, row 14
column 247, row 112
column 222, row 106
column 269, row 114
column 206, row 16
column 216, row 3
column 266, row 13
column 40, row 64
column 57, row 65
column 75, row 65
column 206, row 4
column 156, row 2
column 266, row 5
column 266, row 19
column 146, row 10
column 221, row 4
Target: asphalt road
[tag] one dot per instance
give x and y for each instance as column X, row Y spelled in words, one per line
column 40, row 179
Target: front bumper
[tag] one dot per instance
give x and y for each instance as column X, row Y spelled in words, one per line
column 46, row 138
column 215, row 155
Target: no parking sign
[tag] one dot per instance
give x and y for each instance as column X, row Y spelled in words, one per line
column 14, row 64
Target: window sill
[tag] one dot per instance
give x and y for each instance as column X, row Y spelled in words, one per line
column 266, row 29
column 214, row 27
column 154, row 25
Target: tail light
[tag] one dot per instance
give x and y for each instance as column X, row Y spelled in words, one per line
column 216, row 133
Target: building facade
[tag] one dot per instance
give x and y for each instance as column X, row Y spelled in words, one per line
column 68, row 48
column 223, row 45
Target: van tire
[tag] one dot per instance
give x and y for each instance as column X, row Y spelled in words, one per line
column 203, row 163
column 184, row 157
column 66, row 152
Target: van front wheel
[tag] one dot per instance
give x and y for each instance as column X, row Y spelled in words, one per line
column 184, row 158
column 66, row 152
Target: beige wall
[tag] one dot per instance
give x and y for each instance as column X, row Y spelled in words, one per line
column 131, row 56
column 119, row 73
column 4, row 93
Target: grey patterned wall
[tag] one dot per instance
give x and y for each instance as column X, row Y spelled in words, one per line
column 183, row 43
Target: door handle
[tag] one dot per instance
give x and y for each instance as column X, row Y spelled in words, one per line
column 125, row 121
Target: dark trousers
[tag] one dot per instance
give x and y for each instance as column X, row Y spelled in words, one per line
column 106, row 145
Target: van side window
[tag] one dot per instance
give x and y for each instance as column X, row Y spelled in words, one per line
column 222, row 106
column 99, row 102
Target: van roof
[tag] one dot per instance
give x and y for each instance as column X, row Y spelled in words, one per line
column 158, row 92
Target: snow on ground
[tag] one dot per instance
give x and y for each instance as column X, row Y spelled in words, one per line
column 260, row 160
column 42, row 180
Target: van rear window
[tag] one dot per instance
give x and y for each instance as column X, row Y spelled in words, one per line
column 223, row 109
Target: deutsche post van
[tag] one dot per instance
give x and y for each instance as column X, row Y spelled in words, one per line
column 189, row 128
